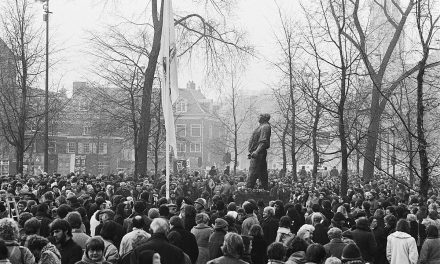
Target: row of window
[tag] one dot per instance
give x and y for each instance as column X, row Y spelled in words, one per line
column 193, row 147
column 86, row 148
column 195, row 130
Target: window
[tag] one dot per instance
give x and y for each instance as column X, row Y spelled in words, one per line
column 52, row 148
column 4, row 167
column 195, row 147
column 102, row 148
column 86, row 148
column 181, row 130
column 87, row 130
column 83, row 105
column 102, row 167
column 181, row 106
column 181, row 147
column 71, row 147
column 196, row 130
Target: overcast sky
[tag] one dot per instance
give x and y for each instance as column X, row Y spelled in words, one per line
column 72, row 19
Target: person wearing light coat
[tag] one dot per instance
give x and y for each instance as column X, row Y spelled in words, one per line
column 401, row 246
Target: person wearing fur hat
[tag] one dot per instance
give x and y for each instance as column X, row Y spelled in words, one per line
column 94, row 253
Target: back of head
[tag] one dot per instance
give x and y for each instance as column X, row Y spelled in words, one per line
column 315, row 253
column 432, row 231
column 176, row 221
column 36, row 243
column 32, row 226
column 248, row 208
column 153, row 213
column 63, row 210
column 164, row 210
column 285, row 221
column 138, row 222
column 256, row 231
column 8, row 229
column 351, row 252
column 403, row 226
column 74, row 219
column 159, row 226
column 108, row 229
column 276, row 251
column 233, row 245
column 139, row 207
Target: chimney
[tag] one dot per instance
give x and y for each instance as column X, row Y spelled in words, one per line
column 191, row 85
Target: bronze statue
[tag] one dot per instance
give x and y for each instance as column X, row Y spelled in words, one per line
column 258, row 145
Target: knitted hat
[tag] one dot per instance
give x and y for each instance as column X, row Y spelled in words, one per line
column 351, row 252
column 220, row 223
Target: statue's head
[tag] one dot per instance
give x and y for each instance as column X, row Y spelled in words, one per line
column 264, row 118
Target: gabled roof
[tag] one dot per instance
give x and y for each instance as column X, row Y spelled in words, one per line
column 195, row 102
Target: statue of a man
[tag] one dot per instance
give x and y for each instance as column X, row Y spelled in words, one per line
column 258, row 145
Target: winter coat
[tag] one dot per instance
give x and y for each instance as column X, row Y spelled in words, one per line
column 111, row 253
column 298, row 257
column 187, row 243
column 365, row 241
column 86, row 260
column 283, row 234
column 270, row 227
column 169, row 254
column 259, row 250
column 251, row 219
column 320, row 234
column 18, row 254
column 215, row 242
column 430, row 253
column 334, row 248
column 50, row 255
column 202, row 232
column 401, row 248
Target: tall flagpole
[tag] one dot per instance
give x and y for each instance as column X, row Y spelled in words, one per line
column 167, row 155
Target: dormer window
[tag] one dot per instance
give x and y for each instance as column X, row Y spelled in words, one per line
column 181, row 106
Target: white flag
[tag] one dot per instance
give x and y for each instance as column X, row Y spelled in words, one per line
column 170, row 90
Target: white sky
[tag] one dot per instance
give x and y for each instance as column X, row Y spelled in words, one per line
column 72, row 19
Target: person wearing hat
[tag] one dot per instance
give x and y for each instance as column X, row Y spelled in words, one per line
column 335, row 247
column 339, row 221
column 351, row 254
column 364, row 238
column 200, row 205
column 216, row 239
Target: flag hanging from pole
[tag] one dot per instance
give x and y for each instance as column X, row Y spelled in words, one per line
column 170, row 90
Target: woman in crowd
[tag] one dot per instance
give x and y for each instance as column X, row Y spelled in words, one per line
column 259, row 245
column 94, row 253
column 430, row 252
column 202, row 232
column 9, row 233
column 401, row 246
column 233, row 249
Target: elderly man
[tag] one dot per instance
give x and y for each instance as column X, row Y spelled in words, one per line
column 169, row 254
column 258, row 145
column 269, row 224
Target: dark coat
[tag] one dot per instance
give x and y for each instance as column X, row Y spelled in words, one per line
column 380, row 236
column 70, row 252
column 187, row 243
column 215, row 242
column 258, row 251
column 365, row 241
column 169, row 254
column 320, row 234
column 270, row 227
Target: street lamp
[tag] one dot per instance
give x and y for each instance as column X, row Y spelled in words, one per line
column 46, row 109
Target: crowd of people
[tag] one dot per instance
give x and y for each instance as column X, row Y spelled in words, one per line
column 117, row 219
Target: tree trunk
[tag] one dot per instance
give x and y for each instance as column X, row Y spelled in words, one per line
column 372, row 136
column 421, row 139
column 314, row 144
column 145, row 119
column 283, row 148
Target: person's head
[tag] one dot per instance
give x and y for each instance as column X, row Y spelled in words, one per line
column 264, row 118
column 95, row 249
column 138, row 222
column 153, row 213
column 268, row 211
column 139, row 207
column 176, row 221
column 334, row 233
column 23, row 217
column 276, row 251
column 202, row 218
column 432, row 231
column 403, row 226
column 332, row 260
column 351, row 252
column 3, row 250
column 60, row 230
column 108, row 230
column 159, row 226
column 256, row 231
column 285, row 221
column 8, row 229
column 315, row 253
column 63, row 210
column 36, row 244
column 74, row 219
column 306, row 232
column 233, row 245
column 248, row 208
column 32, row 226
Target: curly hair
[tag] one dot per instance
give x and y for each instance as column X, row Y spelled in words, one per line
column 36, row 242
column 8, row 229
column 233, row 245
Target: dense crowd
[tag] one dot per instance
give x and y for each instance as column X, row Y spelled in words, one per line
column 117, row 219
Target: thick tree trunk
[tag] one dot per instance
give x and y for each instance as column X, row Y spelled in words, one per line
column 283, row 148
column 315, row 144
column 145, row 119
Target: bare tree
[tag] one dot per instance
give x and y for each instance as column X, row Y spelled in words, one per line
column 21, row 112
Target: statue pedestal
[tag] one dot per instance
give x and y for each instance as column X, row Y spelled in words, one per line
column 245, row 194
